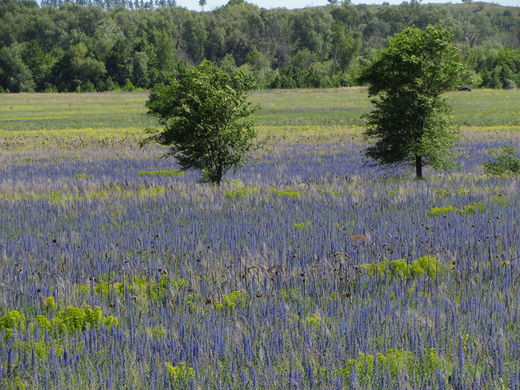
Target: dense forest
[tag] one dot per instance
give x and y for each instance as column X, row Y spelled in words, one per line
column 99, row 45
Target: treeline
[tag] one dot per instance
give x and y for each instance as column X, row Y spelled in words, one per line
column 100, row 45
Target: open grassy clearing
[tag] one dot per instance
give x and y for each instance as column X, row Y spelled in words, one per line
column 308, row 267
column 323, row 107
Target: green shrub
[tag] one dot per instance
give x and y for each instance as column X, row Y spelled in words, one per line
column 397, row 362
column 231, row 300
column 505, row 163
column 11, row 321
column 471, row 208
column 73, row 319
column 468, row 209
column 181, row 375
column 400, row 269
column 142, row 288
column 441, row 210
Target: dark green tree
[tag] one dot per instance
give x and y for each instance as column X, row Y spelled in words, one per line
column 411, row 121
column 15, row 75
column 204, row 113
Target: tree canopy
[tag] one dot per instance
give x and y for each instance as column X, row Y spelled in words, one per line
column 410, row 120
column 204, row 113
column 99, row 45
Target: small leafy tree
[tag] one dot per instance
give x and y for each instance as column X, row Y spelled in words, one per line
column 204, row 113
column 410, row 120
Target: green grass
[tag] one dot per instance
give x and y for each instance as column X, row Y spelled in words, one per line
column 325, row 107
column 162, row 173
column 73, row 121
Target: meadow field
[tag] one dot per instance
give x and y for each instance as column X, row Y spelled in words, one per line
column 309, row 268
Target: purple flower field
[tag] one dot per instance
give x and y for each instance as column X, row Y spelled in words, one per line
column 119, row 272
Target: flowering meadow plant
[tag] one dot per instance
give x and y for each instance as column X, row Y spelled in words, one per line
column 308, row 269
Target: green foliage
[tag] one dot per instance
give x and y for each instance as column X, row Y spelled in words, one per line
column 73, row 319
column 181, row 375
column 15, row 75
column 156, row 332
column 410, row 121
column 142, row 288
column 500, row 199
column 505, row 163
column 441, row 192
column 204, row 115
column 397, row 362
column 314, row 320
column 302, row 225
column 11, row 321
column 239, row 189
column 162, row 173
column 49, row 304
column 444, row 210
column 14, row 383
column 41, row 348
column 84, row 48
column 472, row 208
column 57, row 322
column 400, row 269
column 241, row 192
column 288, row 193
column 83, row 176
column 231, row 300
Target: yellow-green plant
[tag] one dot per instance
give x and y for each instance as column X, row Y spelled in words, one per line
column 468, row 209
column 313, row 320
column 162, row 173
column 302, row 225
column 239, row 189
column 11, row 321
column 181, row 375
column 73, row 319
column 400, row 269
column 231, row 300
column 442, row 210
column 396, row 362
column 143, row 287
column 288, row 193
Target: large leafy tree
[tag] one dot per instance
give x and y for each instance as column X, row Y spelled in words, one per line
column 411, row 121
column 204, row 113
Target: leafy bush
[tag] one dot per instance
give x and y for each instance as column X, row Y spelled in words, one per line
column 396, row 362
column 468, row 209
column 505, row 163
column 442, row 210
column 142, row 288
column 57, row 323
column 73, row 319
column 231, row 300
column 400, row 269
column 181, row 375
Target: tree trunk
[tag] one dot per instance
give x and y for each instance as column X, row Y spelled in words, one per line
column 220, row 173
column 418, row 167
